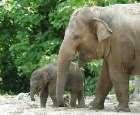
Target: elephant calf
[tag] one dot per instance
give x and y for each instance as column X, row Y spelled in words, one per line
column 43, row 80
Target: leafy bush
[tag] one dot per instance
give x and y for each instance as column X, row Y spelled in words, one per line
column 92, row 73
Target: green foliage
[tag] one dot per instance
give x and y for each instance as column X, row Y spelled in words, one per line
column 26, row 37
column 131, row 88
column 92, row 71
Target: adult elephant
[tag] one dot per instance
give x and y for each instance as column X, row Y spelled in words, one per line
column 108, row 33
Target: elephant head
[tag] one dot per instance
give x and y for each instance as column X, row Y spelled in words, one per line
column 88, row 35
column 37, row 82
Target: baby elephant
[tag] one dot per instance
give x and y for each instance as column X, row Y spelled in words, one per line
column 43, row 80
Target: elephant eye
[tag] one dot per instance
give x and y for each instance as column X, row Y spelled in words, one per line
column 76, row 36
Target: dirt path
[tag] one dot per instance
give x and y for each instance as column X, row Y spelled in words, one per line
column 22, row 105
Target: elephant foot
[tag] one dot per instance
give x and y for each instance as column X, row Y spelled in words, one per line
column 62, row 104
column 123, row 109
column 81, row 106
column 55, row 104
column 43, row 106
column 73, row 105
column 96, row 105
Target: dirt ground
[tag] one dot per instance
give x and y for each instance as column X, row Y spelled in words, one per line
column 22, row 105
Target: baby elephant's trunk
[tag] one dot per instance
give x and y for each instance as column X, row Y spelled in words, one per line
column 32, row 93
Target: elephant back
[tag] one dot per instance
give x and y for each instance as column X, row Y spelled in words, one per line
column 130, row 9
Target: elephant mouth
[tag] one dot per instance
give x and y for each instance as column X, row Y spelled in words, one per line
column 85, row 58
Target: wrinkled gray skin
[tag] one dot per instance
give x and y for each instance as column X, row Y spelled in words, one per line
column 109, row 33
column 43, row 80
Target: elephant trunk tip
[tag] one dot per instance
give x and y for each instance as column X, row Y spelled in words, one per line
column 32, row 97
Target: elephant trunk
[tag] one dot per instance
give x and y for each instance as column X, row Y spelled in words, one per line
column 66, row 52
column 32, row 93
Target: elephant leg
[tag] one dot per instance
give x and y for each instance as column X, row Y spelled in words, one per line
column 52, row 92
column 53, row 97
column 104, row 85
column 73, row 99
column 43, row 97
column 120, row 82
column 81, row 100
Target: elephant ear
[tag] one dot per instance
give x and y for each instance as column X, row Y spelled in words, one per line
column 102, row 30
